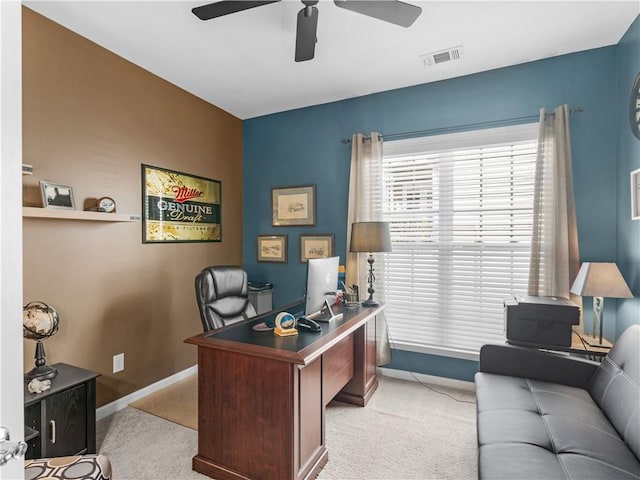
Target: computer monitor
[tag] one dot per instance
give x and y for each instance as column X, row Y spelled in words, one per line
column 322, row 282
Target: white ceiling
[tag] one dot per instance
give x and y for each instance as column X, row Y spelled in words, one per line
column 243, row 63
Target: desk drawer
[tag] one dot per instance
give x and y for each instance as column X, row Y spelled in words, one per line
column 337, row 368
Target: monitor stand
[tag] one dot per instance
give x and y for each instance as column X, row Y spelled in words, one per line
column 326, row 314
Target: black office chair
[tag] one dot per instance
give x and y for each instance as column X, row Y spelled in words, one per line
column 222, row 296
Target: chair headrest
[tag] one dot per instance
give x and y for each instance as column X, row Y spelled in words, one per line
column 223, row 297
column 223, row 281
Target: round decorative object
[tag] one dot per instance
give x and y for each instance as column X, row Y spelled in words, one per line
column 39, row 321
column 285, row 321
column 634, row 108
column 285, row 325
column 106, row 204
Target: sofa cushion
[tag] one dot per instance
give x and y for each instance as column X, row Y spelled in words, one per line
column 85, row 467
column 515, row 461
column 535, row 429
column 615, row 387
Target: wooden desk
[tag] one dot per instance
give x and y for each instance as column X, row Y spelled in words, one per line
column 261, row 398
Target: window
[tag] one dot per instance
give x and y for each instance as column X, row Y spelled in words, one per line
column 460, row 209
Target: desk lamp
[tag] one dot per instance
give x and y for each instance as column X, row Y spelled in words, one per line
column 600, row 280
column 370, row 237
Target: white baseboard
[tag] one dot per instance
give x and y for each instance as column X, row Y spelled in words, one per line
column 431, row 379
column 119, row 404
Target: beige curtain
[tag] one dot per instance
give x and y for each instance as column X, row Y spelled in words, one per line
column 365, row 188
column 555, row 258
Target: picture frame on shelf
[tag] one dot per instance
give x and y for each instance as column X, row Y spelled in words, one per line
column 635, row 194
column 55, row 195
column 316, row 246
column 272, row 248
column 293, row 206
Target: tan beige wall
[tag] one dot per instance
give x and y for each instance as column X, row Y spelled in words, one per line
column 90, row 119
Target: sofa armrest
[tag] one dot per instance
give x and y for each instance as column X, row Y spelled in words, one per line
column 537, row 365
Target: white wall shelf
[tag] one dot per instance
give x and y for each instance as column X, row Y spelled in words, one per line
column 63, row 214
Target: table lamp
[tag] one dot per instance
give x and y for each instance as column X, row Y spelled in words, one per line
column 599, row 280
column 370, row 237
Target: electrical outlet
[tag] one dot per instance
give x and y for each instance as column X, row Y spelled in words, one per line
column 118, row 363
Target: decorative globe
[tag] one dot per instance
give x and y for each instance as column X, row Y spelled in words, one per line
column 39, row 321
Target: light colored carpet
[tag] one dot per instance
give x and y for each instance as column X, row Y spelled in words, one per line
column 407, row 431
column 177, row 402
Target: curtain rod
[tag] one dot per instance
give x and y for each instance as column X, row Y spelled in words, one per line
column 459, row 128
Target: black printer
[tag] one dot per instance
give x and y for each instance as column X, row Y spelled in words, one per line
column 540, row 320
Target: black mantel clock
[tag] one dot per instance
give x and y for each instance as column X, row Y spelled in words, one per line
column 634, row 107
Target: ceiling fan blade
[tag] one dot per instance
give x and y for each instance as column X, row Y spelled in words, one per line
column 392, row 11
column 306, row 33
column 225, row 7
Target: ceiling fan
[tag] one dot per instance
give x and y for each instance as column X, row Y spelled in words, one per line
column 392, row 11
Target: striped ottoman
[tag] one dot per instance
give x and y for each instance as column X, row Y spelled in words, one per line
column 85, row 467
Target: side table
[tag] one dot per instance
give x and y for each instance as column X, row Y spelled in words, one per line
column 579, row 346
column 61, row 421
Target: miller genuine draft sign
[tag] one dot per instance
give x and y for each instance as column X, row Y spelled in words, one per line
column 177, row 207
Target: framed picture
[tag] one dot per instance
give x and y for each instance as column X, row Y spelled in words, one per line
column 272, row 248
column 293, row 206
column 315, row 246
column 56, row 196
column 178, row 207
column 635, row 194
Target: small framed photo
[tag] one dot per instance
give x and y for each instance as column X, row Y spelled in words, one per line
column 635, row 194
column 56, row 196
column 293, row 206
column 272, row 248
column 315, row 246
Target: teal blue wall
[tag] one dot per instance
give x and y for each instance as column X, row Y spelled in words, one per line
column 628, row 231
column 303, row 146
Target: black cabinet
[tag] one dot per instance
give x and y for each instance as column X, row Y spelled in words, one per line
column 62, row 420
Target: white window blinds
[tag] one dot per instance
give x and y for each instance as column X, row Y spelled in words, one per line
column 460, row 211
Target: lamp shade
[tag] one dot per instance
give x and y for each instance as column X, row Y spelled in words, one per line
column 370, row 237
column 600, row 280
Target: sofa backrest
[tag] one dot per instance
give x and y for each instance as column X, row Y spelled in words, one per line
column 615, row 386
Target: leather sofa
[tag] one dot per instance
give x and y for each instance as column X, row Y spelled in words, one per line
column 542, row 415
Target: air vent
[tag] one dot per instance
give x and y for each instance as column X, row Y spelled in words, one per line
column 442, row 56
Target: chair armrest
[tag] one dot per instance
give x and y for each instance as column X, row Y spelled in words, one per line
column 537, row 365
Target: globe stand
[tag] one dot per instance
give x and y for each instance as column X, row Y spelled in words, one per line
column 41, row 371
